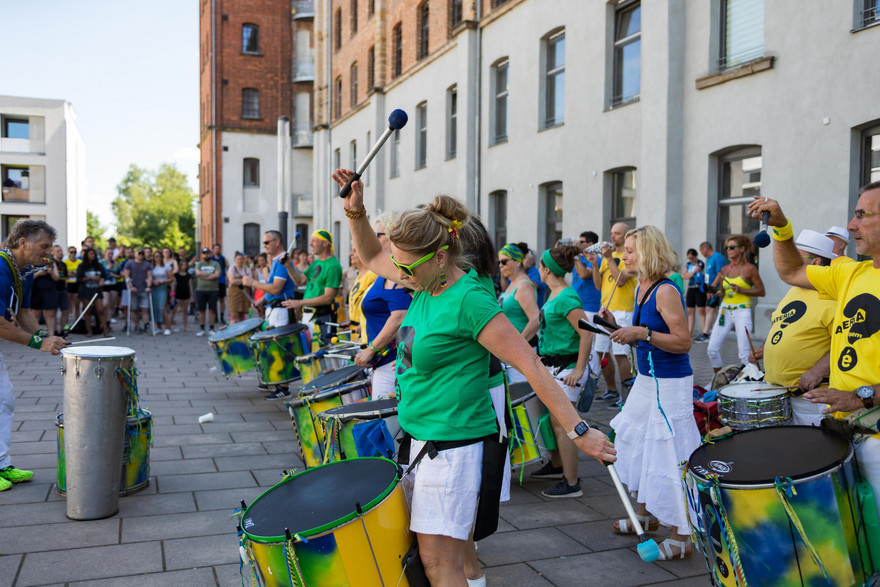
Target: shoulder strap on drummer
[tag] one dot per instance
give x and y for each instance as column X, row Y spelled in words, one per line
column 16, row 281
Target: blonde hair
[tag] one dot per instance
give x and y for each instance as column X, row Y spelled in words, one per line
column 423, row 231
column 388, row 219
column 657, row 258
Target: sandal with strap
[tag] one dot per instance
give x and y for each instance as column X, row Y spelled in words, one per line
column 649, row 524
column 685, row 550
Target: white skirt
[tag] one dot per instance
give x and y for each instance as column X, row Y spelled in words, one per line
column 649, row 454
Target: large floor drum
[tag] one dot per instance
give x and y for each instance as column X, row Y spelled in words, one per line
column 331, row 543
column 776, row 496
column 275, row 351
column 527, row 444
column 231, row 346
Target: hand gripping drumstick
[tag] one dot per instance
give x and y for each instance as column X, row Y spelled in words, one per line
column 647, row 548
column 396, row 121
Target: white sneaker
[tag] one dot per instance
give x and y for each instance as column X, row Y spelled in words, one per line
column 211, row 331
column 200, row 333
column 167, row 332
column 175, row 330
column 112, row 320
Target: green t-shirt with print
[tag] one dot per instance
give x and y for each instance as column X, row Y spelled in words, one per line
column 556, row 335
column 322, row 274
column 207, row 267
column 442, row 371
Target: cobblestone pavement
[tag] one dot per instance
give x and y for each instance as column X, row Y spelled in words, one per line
column 180, row 530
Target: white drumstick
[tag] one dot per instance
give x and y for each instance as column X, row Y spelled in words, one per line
column 91, row 341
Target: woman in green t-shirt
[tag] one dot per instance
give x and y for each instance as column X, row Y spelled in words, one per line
column 451, row 327
column 566, row 351
column 519, row 301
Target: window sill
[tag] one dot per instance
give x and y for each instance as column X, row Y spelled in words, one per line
column 450, row 157
column 872, row 25
column 251, row 118
column 551, row 126
column 420, row 168
column 498, row 141
column 623, row 103
column 746, row 69
column 250, row 54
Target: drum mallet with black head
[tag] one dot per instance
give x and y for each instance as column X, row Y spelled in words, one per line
column 647, row 548
column 762, row 239
column 396, row 121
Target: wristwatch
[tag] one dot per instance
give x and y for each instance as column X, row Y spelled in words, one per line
column 579, row 430
column 648, row 338
column 866, row 394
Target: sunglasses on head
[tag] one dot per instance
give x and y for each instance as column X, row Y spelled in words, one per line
column 408, row 269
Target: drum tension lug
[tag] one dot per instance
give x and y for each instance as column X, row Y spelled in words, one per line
column 243, row 505
column 358, row 508
column 287, row 535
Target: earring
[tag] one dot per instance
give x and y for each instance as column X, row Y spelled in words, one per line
column 442, row 278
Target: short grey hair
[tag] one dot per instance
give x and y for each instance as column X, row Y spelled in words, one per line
column 30, row 230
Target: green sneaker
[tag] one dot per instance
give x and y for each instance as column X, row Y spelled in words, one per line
column 16, row 475
column 4, row 484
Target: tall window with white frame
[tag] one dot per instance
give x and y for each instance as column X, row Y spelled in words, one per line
column 499, row 116
column 739, row 179
column 394, row 171
column 498, row 214
column 627, row 53
column 338, row 97
column 397, row 48
column 354, row 84
column 250, row 39
column 250, row 185
column 551, row 194
column 870, row 164
column 451, row 122
column 251, row 238
column 456, row 13
column 554, row 80
column 624, row 190
column 422, row 135
column 250, row 103
column 867, row 13
column 424, row 21
column 742, row 32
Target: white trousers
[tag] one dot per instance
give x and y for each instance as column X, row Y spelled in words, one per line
column 383, row 381
column 741, row 318
column 7, row 411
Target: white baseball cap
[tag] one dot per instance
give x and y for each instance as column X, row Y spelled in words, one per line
column 816, row 244
column 839, row 232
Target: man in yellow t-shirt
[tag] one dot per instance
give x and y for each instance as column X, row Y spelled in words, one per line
column 72, row 264
column 796, row 353
column 855, row 342
column 840, row 237
column 620, row 301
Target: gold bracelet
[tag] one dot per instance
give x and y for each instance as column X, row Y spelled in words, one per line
column 784, row 233
column 356, row 214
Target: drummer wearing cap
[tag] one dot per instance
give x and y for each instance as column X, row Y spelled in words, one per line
column 840, row 237
column 798, row 348
column 855, row 343
column 28, row 248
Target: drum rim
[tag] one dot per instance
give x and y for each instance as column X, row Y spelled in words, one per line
column 375, row 414
column 268, row 334
column 518, row 402
column 121, row 352
column 784, row 392
column 219, row 335
column 357, row 371
column 329, row 526
column 324, row 394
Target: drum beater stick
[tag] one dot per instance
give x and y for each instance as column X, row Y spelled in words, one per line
column 752, row 346
column 86, row 309
column 647, row 548
column 92, row 341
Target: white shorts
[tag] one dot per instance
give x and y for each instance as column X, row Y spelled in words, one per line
column 445, row 490
column 572, row 393
column 276, row 317
column 603, row 344
column 383, row 381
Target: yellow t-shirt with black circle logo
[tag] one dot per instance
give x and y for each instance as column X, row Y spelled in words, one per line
column 625, row 297
column 800, row 335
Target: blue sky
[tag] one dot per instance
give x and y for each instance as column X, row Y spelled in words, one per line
column 130, row 69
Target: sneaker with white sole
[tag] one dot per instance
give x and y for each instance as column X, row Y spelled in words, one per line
column 563, row 489
column 200, row 333
column 608, row 395
column 279, row 393
column 616, row 405
column 167, row 332
column 548, row 471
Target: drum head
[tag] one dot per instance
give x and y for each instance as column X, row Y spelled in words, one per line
column 98, row 352
column 752, row 390
column 369, row 410
column 333, row 379
column 321, row 498
column 758, row 456
column 281, row 331
column 520, row 392
column 237, row 329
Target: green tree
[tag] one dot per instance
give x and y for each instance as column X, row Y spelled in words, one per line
column 95, row 229
column 155, row 209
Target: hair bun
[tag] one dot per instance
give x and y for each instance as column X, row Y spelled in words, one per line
column 447, row 209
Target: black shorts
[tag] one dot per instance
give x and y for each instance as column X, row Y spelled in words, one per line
column 72, row 287
column 206, row 300
column 221, row 290
column 695, row 298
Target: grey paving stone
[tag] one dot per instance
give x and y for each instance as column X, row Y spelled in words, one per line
column 227, row 450
column 35, row 461
column 201, row 481
column 32, row 448
column 227, row 499
column 269, row 477
column 203, row 577
column 247, row 463
column 182, row 466
column 230, row 575
column 191, row 439
column 150, row 505
column 607, row 505
column 168, row 526
column 165, row 453
column 540, row 515
column 520, row 575
column 282, row 446
column 621, row 568
column 267, row 436
column 243, row 426
column 692, row 582
column 692, row 567
column 47, row 424
column 514, row 547
column 29, row 492
column 600, row 535
column 218, row 418
column 90, row 563
column 519, row 494
column 176, row 429
column 14, row 515
column 36, row 538
column 28, row 436
column 185, row 553
column 9, row 567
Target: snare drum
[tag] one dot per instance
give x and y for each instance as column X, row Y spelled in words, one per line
column 362, row 429
column 135, row 459
column 758, row 494
column 231, row 346
column 754, row 404
column 345, row 523
column 275, row 351
column 314, row 364
column 331, row 390
column 526, row 441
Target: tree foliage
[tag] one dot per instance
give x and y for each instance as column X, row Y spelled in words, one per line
column 95, row 229
column 155, row 208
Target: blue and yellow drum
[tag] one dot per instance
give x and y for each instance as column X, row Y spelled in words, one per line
column 527, row 437
column 231, row 346
column 345, row 523
column 361, row 429
column 324, row 360
column 275, row 351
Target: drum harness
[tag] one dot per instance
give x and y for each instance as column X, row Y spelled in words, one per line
column 18, row 278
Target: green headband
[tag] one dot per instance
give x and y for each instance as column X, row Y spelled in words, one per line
column 512, row 251
column 552, row 265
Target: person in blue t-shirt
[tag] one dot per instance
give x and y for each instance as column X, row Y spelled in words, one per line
column 582, row 276
column 535, row 276
column 695, row 296
column 714, row 262
column 28, row 248
column 384, row 307
column 281, row 283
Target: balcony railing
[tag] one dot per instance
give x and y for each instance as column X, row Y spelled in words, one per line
column 304, row 69
column 303, row 9
column 303, row 138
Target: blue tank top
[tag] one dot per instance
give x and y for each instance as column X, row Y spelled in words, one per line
column 666, row 365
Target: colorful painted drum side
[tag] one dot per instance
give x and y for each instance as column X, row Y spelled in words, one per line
column 346, row 422
column 330, row 542
column 526, row 441
column 275, row 351
column 778, row 506
column 317, row 363
column 754, row 404
column 136, row 454
column 231, row 346
column 309, row 428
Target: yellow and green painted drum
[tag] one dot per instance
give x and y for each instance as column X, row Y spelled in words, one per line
column 342, row 425
column 324, row 360
column 275, row 352
column 342, row 524
column 527, row 442
column 778, row 506
column 331, row 390
column 135, row 456
column 231, row 346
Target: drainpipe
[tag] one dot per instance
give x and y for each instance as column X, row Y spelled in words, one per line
column 478, row 83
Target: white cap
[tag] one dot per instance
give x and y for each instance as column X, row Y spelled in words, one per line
column 815, row 244
column 839, row 232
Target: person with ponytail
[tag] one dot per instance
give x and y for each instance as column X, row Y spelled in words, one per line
column 443, row 359
column 519, row 301
column 566, row 351
column 655, row 430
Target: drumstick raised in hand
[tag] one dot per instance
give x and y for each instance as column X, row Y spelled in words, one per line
column 752, row 346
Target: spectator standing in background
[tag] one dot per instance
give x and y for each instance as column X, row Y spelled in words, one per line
column 714, row 262
column 221, row 281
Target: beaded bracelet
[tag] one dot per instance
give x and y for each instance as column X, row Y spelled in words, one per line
column 35, row 342
column 356, row 214
column 784, row 233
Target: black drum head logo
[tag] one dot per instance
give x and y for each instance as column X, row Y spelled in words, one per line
column 721, row 466
column 848, row 359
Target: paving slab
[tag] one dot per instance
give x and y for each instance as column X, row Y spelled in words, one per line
column 519, row 574
column 182, row 466
column 203, row 577
column 186, row 553
column 37, row 538
column 512, row 547
column 81, row 564
column 184, row 525
column 227, row 499
column 197, row 481
column 543, row 514
column 621, row 568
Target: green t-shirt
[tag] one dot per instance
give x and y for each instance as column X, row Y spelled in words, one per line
column 322, row 274
column 207, row 267
column 512, row 309
column 442, row 371
column 496, row 379
column 556, row 336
